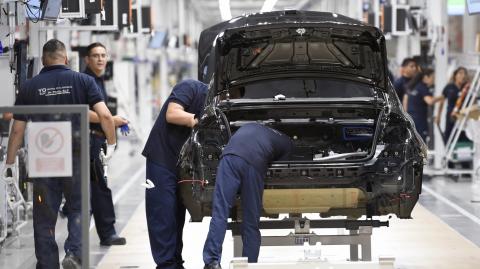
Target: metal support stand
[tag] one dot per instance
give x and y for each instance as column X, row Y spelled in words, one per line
column 17, row 207
column 360, row 232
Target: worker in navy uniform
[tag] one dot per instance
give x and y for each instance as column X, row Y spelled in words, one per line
column 76, row 88
column 408, row 70
column 164, row 209
column 418, row 98
column 451, row 92
column 101, row 195
column 243, row 165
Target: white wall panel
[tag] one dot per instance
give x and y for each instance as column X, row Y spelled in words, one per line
column 7, row 91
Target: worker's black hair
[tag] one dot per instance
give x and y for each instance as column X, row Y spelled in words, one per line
column 407, row 61
column 419, row 77
column 54, row 48
column 427, row 72
column 94, row 45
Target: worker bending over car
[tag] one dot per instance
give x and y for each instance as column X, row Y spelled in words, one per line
column 243, row 166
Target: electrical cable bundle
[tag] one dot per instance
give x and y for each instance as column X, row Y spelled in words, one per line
column 31, row 15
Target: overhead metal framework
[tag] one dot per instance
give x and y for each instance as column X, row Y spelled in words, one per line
column 209, row 10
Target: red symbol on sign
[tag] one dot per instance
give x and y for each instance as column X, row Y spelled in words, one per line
column 49, row 141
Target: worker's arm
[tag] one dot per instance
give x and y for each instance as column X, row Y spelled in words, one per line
column 440, row 106
column 15, row 140
column 93, row 117
column 405, row 102
column 7, row 116
column 440, row 110
column 177, row 115
column 106, row 120
column 430, row 100
column 117, row 120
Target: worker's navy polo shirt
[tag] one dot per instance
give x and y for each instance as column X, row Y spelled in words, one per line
column 58, row 85
column 417, row 106
column 259, row 145
column 101, row 85
column 400, row 86
column 166, row 139
column 451, row 92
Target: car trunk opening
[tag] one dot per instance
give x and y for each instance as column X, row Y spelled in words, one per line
column 321, row 132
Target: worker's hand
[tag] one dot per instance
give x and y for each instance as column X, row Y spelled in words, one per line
column 119, row 121
column 9, row 173
column 194, row 122
column 106, row 156
column 454, row 115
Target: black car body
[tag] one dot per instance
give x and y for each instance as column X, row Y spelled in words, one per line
column 320, row 78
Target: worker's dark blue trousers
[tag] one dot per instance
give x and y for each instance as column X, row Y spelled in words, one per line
column 421, row 125
column 47, row 193
column 165, row 217
column 234, row 174
column 100, row 196
column 449, row 124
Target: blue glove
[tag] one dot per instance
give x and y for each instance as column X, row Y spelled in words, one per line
column 124, row 129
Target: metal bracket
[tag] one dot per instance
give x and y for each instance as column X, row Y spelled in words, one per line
column 302, row 226
column 382, row 263
column 360, row 232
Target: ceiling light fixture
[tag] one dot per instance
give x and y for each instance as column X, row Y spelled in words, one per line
column 268, row 5
column 225, row 11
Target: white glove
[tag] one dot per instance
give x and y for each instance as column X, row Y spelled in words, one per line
column 9, row 173
column 106, row 156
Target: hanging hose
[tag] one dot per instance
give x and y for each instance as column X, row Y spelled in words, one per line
column 223, row 117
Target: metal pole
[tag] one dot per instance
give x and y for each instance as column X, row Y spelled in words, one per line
column 181, row 22
column 11, row 24
column 85, row 186
column 376, row 12
column 437, row 11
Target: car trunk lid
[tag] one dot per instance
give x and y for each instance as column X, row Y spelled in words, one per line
column 305, row 49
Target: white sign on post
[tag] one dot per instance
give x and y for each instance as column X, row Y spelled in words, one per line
column 50, row 149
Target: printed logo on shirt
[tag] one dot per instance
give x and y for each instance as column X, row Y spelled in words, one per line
column 60, row 90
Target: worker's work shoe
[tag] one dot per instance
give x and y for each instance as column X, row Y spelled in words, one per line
column 114, row 240
column 213, row 265
column 71, row 262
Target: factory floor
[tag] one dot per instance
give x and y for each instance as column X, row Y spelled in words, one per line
column 444, row 231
